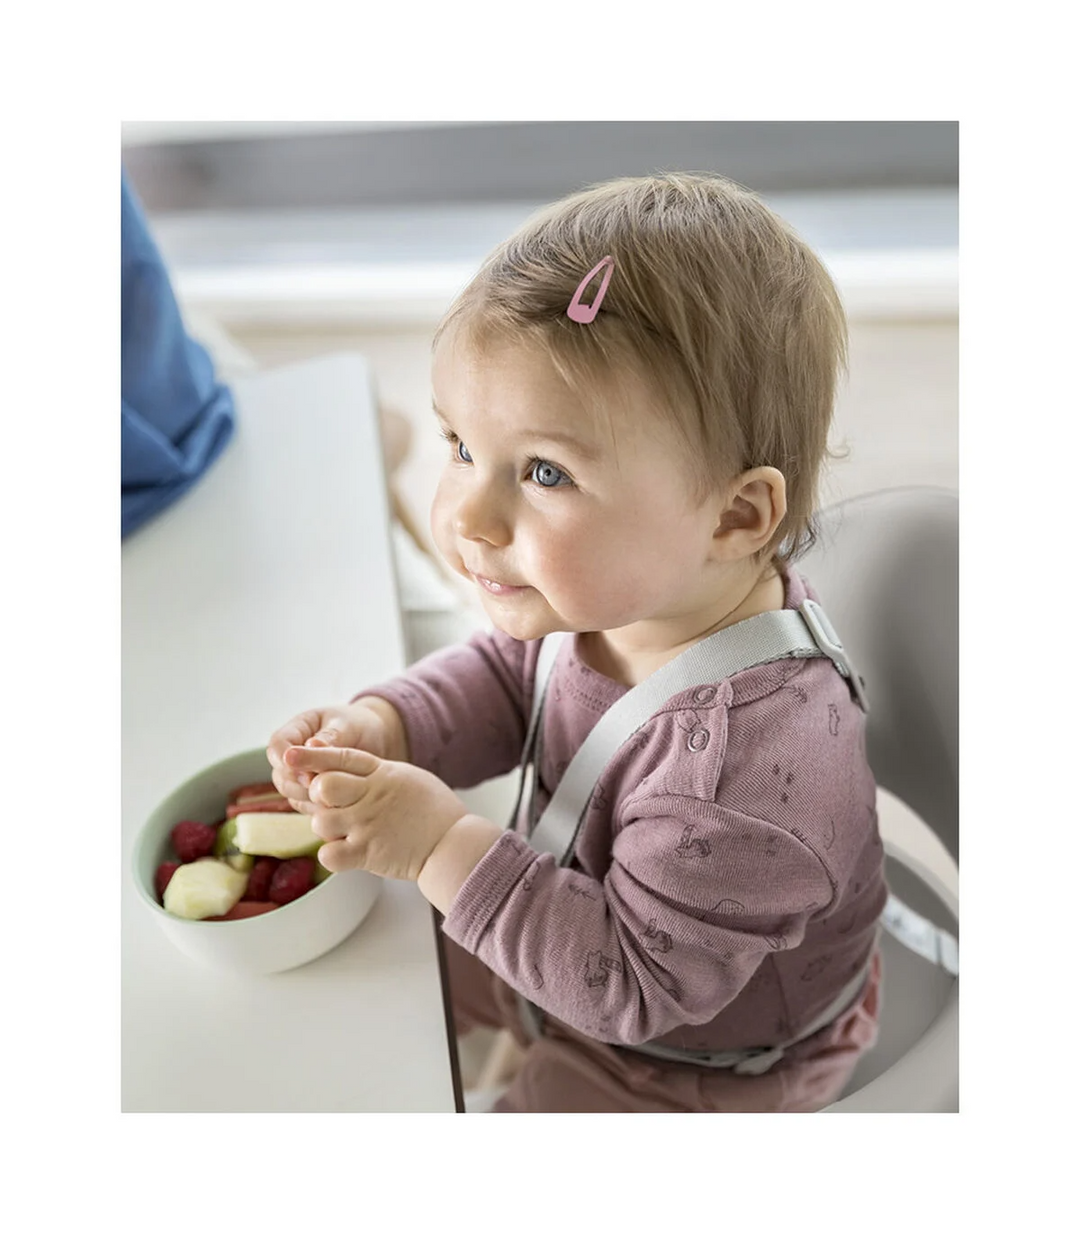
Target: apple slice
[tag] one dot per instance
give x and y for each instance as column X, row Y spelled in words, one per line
column 225, row 847
column 204, row 888
column 275, row 835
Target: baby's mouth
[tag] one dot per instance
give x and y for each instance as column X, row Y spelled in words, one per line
column 495, row 588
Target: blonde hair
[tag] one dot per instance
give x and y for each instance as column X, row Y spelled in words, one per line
column 715, row 303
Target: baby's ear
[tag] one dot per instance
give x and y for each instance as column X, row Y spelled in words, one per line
column 756, row 505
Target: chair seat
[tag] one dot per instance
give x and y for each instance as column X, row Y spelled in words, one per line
column 919, row 1019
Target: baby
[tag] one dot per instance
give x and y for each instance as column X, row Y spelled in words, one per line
column 636, row 391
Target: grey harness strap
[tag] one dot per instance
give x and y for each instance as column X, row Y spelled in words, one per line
column 789, row 633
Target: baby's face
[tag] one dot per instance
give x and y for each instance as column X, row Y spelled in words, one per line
column 559, row 526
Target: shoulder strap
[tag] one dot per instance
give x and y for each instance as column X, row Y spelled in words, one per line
column 549, row 650
column 787, row 633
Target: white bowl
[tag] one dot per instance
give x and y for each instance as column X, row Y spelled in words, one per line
column 273, row 942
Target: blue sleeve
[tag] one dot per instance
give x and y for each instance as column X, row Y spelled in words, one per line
column 175, row 416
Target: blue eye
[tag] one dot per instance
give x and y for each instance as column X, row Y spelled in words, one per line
column 456, row 444
column 547, row 475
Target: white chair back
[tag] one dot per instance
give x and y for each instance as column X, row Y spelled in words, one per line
column 886, row 569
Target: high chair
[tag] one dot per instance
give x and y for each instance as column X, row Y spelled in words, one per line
column 886, row 570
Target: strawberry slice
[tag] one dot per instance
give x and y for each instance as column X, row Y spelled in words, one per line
column 259, row 805
column 258, row 886
column 262, row 789
column 162, row 874
column 245, row 908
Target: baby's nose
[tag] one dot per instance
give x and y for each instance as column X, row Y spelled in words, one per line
column 479, row 515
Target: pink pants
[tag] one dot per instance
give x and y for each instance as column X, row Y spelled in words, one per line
column 565, row 1072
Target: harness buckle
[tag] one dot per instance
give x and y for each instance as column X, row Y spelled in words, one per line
column 759, row 1062
column 829, row 642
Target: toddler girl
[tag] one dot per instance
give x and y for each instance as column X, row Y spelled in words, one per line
column 635, row 391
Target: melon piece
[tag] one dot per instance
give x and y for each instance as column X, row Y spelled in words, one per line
column 204, row 888
column 276, row 835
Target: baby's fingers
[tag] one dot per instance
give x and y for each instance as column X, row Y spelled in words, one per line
column 289, row 787
column 336, row 789
column 295, row 733
column 338, row 855
column 315, row 760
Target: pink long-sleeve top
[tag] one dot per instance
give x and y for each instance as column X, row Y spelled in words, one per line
column 729, row 875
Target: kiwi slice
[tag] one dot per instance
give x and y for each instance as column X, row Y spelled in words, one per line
column 226, row 848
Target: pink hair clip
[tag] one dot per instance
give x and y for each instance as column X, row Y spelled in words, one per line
column 585, row 313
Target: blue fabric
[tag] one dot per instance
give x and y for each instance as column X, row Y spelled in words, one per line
column 175, row 416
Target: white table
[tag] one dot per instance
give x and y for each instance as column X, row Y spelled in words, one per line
column 269, row 588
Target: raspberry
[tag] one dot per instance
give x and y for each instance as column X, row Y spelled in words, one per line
column 258, row 887
column 193, row 840
column 291, row 879
column 162, row 874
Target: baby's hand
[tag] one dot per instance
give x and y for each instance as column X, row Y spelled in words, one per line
column 376, row 815
column 355, row 724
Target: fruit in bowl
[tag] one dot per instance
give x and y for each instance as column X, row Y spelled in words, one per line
column 261, row 855
column 231, row 874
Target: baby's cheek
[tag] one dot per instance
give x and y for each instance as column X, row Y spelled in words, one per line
column 442, row 532
column 562, row 566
